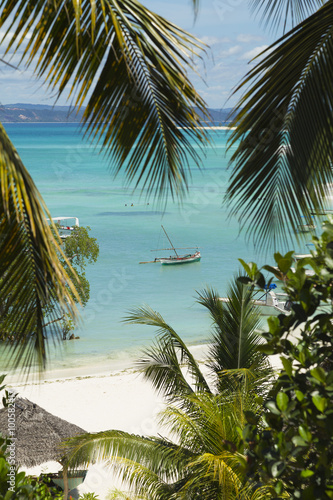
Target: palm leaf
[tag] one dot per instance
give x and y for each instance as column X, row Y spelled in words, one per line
column 203, row 426
column 282, row 163
column 214, row 476
column 32, row 278
column 162, row 363
column 283, row 12
column 149, row 465
column 129, row 64
column 235, row 339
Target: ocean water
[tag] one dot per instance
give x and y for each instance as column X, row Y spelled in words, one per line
column 75, row 180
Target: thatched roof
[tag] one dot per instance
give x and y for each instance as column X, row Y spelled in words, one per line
column 37, row 432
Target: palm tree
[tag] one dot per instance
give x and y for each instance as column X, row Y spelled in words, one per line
column 204, row 414
column 284, row 135
column 129, row 66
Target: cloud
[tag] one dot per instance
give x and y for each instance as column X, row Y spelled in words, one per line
column 246, row 38
column 250, row 54
column 231, row 51
column 214, row 40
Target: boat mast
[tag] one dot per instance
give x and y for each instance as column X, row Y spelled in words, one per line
column 166, row 234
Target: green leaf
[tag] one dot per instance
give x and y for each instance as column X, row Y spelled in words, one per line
column 251, row 268
column 282, row 401
column 298, row 441
column 305, row 433
column 319, row 402
column 284, row 265
column 278, row 487
column 271, row 406
column 287, row 364
column 319, row 374
column 307, row 473
column 278, row 468
column 266, row 349
column 299, row 395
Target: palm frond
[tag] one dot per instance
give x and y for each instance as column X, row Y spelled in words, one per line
column 215, row 476
column 203, row 426
column 149, row 466
column 131, row 66
column 282, row 164
column 235, row 339
column 162, row 363
column 31, row 276
column 284, row 12
column 116, row 494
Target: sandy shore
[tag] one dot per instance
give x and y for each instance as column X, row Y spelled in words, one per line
column 115, row 399
column 111, row 400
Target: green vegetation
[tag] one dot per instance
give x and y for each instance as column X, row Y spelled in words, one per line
column 292, row 448
column 282, row 160
column 238, row 432
column 205, row 413
column 233, row 440
column 88, row 496
column 79, row 249
column 14, row 484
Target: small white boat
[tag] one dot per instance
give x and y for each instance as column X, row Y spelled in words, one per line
column 268, row 302
column 175, row 259
column 183, row 259
column 65, row 225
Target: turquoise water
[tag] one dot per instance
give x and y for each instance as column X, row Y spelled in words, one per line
column 75, row 180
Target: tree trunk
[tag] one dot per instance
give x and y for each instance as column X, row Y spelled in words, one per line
column 65, row 477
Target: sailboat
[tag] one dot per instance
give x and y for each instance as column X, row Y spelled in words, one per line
column 175, row 259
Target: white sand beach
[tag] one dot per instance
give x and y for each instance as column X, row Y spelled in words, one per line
column 116, row 399
column 111, row 400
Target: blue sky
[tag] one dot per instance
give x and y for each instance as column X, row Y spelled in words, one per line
column 234, row 37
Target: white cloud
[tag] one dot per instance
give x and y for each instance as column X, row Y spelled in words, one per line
column 214, row 40
column 250, row 54
column 246, row 38
column 231, row 51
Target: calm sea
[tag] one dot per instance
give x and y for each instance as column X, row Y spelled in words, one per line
column 75, row 180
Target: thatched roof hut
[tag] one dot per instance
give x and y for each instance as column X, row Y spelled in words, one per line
column 38, row 433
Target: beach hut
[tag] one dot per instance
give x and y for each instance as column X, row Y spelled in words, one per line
column 37, row 434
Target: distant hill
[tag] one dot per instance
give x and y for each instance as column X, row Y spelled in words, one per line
column 219, row 116
column 39, row 113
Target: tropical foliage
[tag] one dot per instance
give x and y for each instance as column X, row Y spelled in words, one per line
column 294, row 450
column 129, row 67
column 79, row 250
column 205, row 413
column 14, row 484
column 282, row 161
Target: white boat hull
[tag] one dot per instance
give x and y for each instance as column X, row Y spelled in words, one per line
column 185, row 259
column 270, row 306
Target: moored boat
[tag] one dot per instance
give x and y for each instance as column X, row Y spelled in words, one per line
column 65, row 225
column 181, row 259
column 268, row 302
column 175, row 259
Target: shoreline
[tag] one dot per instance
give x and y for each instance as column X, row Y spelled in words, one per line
column 120, row 400
column 99, row 401
column 218, row 127
column 92, row 366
